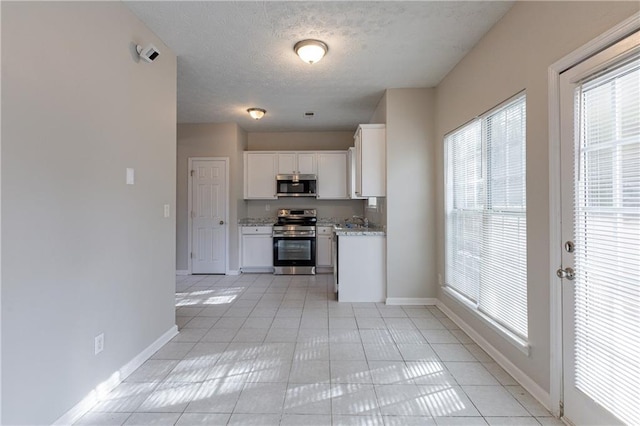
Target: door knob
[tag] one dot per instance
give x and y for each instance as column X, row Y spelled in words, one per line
column 567, row 273
column 222, row 222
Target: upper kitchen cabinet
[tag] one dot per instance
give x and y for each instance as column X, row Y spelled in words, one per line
column 297, row 163
column 351, row 174
column 370, row 144
column 332, row 175
column 260, row 170
column 262, row 167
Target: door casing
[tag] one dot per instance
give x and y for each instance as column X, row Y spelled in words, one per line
column 620, row 31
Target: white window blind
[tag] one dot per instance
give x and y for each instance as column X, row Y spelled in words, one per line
column 486, row 241
column 607, row 240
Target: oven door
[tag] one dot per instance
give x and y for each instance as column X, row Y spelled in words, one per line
column 294, row 251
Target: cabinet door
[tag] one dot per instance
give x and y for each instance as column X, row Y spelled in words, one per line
column 323, row 250
column 371, row 160
column 287, row 163
column 332, row 175
column 357, row 140
column 257, row 251
column 260, row 175
column 361, row 260
column 307, row 163
column 351, row 174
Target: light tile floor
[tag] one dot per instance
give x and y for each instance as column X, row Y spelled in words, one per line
column 261, row 349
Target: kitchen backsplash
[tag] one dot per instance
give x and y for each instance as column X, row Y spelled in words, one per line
column 341, row 209
column 378, row 215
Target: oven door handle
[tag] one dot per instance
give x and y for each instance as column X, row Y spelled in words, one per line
column 294, row 234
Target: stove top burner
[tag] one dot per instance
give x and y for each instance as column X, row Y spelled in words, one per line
column 304, row 217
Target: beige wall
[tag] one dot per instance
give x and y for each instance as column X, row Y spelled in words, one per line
column 379, row 214
column 300, row 141
column 380, row 114
column 83, row 253
column 410, row 212
column 514, row 56
column 210, row 140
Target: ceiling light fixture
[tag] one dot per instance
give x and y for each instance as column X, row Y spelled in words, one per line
column 311, row 51
column 256, row 113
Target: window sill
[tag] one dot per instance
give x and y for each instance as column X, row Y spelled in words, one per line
column 521, row 344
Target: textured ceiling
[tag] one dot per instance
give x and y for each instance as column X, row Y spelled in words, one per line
column 236, row 55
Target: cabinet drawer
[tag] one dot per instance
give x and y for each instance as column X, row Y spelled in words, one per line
column 324, row 230
column 257, row 230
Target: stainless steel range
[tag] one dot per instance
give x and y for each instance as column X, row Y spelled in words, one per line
column 294, row 242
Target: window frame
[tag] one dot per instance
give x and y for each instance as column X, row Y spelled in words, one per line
column 473, row 306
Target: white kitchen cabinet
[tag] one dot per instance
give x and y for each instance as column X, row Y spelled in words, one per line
column 260, row 170
column 287, row 163
column 332, row 175
column 351, row 174
column 370, row 149
column 256, row 248
column 361, row 268
column 324, row 237
column 303, row 163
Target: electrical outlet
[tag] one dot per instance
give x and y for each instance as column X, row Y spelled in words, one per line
column 167, row 210
column 267, row 207
column 99, row 343
column 440, row 279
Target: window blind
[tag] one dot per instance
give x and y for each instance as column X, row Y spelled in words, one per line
column 464, row 219
column 486, row 255
column 607, row 240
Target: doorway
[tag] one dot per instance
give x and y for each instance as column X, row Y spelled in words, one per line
column 208, row 215
column 599, row 230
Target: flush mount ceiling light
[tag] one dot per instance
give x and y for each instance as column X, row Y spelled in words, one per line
column 256, row 113
column 311, row 51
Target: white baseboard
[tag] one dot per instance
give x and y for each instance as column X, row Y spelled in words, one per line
column 266, row 270
column 229, row 272
column 411, row 301
column 525, row 381
column 81, row 408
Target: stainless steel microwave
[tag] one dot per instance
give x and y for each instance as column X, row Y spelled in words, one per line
column 296, row 185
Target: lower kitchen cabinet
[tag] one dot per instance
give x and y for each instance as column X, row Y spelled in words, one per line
column 256, row 248
column 361, row 269
column 324, row 237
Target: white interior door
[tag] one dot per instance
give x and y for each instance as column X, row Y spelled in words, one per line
column 208, row 216
column 600, row 157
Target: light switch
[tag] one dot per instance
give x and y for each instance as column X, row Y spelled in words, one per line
column 167, row 210
column 130, row 176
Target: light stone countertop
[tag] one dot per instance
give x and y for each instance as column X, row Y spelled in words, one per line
column 339, row 227
column 325, row 223
column 257, row 221
column 360, row 231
